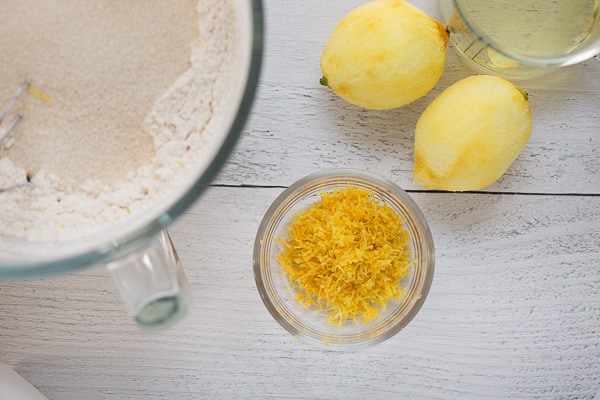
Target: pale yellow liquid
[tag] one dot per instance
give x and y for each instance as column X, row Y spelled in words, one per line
column 522, row 28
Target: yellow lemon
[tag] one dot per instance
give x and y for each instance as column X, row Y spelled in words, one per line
column 470, row 134
column 384, row 54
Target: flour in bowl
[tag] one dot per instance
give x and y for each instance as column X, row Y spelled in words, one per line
column 136, row 90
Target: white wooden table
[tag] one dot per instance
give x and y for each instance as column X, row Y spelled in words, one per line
column 514, row 310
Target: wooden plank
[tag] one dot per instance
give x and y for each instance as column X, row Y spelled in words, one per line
column 298, row 126
column 514, row 311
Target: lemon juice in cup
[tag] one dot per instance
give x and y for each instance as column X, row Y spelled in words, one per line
column 523, row 38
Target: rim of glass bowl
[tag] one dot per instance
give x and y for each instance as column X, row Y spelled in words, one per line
column 573, row 57
column 285, row 311
column 133, row 236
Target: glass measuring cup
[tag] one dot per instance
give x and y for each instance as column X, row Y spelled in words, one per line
column 521, row 39
column 138, row 252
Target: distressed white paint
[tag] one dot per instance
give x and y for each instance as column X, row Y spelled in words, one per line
column 514, row 310
column 299, row 126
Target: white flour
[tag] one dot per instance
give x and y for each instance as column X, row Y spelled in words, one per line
column 134, row 144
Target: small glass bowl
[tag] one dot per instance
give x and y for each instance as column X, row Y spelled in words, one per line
column 307, row 323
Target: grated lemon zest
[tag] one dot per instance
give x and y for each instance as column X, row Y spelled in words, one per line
column 39, row 94
column 346, row 255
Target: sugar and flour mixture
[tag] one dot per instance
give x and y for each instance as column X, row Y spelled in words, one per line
column 103, row 64
column 135, row 91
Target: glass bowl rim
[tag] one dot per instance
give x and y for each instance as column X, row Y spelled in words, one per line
column 132, row 239
column 574, row 57
column 331, row 177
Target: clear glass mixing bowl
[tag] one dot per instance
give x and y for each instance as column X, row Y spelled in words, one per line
column 132, row 238
column 309, row 324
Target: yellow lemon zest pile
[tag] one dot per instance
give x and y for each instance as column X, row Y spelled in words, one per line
column 346, row 254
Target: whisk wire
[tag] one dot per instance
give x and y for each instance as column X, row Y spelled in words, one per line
column 11, row 128
column 4, row 135
column 7, row 109
column 13, row 101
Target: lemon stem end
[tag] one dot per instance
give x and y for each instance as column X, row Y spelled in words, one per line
column 524, row 93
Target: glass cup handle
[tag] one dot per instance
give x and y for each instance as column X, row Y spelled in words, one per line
column 152, row 284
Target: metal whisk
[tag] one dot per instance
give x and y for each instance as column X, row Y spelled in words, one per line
column 13, row 125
